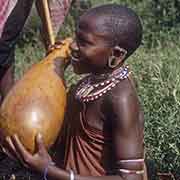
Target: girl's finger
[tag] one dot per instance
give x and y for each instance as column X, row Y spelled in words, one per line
column 23, row 153
column 40, row 144
column 11, row 150
column 6, row 152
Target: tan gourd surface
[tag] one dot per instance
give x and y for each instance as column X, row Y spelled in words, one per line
column 36, row 103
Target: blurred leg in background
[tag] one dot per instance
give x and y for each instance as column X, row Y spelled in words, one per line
column 13, row 15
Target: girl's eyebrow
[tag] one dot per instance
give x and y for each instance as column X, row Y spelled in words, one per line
column 81, row 36
column 84, row 39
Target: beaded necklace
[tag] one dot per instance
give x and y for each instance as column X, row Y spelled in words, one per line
column 90, row 89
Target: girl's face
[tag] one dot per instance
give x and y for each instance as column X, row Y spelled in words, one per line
column 90, row 50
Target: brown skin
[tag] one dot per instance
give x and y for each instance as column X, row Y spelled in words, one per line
column 121, row 103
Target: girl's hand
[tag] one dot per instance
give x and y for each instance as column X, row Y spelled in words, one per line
column 38, row 162
column 58, row 44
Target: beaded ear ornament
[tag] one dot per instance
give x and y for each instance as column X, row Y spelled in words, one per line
column 89, row 90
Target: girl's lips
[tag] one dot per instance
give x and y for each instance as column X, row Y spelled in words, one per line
column 74, row 59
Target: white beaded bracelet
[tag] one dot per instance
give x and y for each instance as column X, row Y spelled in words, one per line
column 46, row 169
column 71, row 175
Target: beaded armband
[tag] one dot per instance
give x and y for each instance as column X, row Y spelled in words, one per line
column 131, row 160
column 128, row 171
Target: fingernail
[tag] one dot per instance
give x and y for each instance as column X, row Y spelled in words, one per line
column 7, row 138
column 16, row 136
column 39, row 136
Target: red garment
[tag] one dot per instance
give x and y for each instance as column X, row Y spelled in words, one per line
column 6, row 6
column 85, row 147
column 87, row 150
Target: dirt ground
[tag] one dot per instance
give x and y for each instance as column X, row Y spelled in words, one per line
column 10, row 170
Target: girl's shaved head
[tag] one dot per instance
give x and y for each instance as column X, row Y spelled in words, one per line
column 121, row 25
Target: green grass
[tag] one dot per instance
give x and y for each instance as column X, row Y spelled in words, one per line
column 157, row 73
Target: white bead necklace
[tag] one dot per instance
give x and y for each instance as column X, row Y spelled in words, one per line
column 90, row 91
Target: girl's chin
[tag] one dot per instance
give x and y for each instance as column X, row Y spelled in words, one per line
column 80, row 70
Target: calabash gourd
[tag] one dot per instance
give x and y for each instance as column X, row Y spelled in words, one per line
column 36, row 103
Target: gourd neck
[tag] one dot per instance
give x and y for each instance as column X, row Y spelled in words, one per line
column 59, row 66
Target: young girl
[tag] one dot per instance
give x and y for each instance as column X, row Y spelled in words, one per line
column 102, row 136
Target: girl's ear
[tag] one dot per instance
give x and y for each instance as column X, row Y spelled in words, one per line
column 117, row 57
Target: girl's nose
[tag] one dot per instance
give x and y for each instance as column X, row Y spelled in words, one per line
column 74, row 46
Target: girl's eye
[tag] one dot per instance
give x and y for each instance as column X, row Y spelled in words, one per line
column 83, row 42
